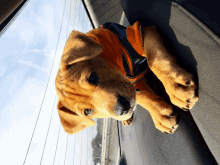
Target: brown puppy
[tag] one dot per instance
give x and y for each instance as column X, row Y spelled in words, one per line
column 90, row 85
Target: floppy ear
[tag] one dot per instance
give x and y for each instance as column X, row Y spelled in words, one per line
column 79, row 47
column 71, row 122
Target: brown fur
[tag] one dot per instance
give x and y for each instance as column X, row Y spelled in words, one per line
column 82, row 55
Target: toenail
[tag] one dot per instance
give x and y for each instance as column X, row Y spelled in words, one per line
column 165, row 132
column 185, row 109
column 188, row 101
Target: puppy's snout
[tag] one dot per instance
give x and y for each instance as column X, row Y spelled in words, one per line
column 123, row 106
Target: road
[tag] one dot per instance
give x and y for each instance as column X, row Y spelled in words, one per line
column 142, row 144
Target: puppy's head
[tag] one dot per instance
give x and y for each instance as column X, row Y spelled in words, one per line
column 89, row 86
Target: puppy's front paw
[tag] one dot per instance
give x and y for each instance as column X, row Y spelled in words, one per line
column 181, row 88
column 128, row 122
column 165, row 119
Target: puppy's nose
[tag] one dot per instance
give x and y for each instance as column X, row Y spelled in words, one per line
column 123, row 105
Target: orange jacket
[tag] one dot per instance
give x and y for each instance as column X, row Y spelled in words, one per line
column 123, row 47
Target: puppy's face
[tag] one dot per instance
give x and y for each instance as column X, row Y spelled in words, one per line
column 99, row 90
column 90, row 87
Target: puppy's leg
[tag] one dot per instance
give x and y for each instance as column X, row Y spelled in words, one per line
column 161, row 112
column 178, row 83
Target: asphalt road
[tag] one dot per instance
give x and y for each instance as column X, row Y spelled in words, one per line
column 142, row 144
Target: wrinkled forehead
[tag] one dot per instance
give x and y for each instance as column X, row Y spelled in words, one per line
column 71, row 96
column 68, row 85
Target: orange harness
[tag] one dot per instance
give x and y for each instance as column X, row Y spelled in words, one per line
column 123, row 47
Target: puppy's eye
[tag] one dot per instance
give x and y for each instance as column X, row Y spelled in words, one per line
column 68, row 66
column 93, row 78
column 88, row 112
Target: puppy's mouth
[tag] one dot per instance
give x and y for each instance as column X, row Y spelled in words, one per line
column 124, row 106
column 127, row 111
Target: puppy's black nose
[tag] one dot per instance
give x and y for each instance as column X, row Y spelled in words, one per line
column 123, row 105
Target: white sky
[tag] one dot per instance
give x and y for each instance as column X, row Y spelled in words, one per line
column 28, row 49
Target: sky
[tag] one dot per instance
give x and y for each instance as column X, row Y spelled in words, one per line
column 31, row 49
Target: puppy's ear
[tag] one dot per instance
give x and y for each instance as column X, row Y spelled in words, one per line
column 71, row 122
column 79, row 47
